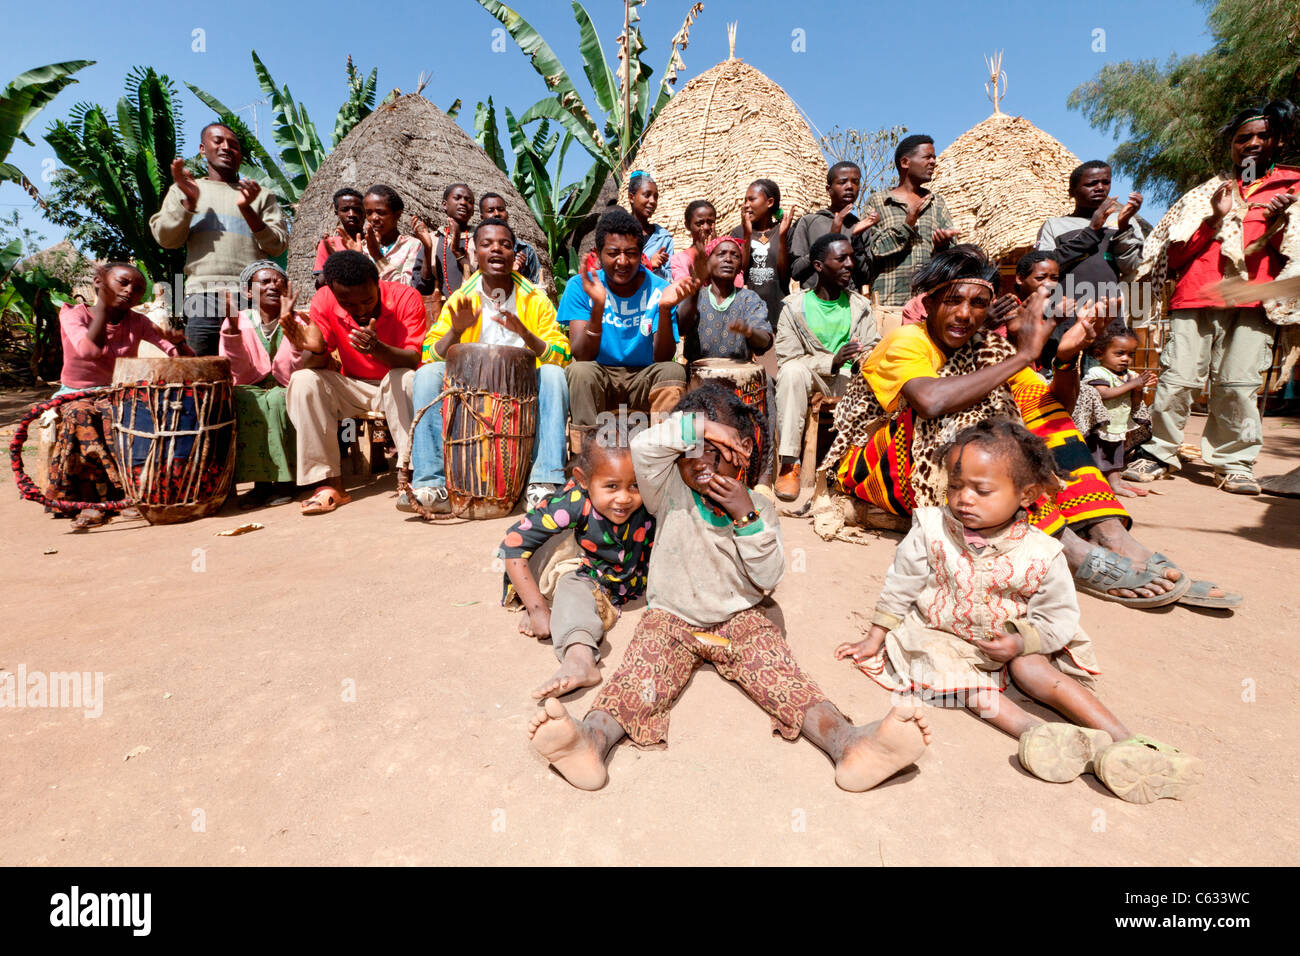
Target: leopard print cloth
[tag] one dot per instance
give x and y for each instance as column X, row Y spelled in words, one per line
column 858, row 415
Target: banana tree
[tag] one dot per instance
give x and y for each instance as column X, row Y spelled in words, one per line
column 557, row 209
column 127, row 162
column 623, row 96
column 20, row 102
column 293, row 133
column 359, row 104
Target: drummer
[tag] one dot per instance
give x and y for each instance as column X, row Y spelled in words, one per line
column 94, row 337
column 721, row 321
column 494, row 306
column 376, row 328
column 623, row 328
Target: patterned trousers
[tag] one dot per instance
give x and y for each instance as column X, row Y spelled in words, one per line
column 665, row 652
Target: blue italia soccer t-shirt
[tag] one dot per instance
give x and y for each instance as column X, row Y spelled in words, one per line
column 628, row 325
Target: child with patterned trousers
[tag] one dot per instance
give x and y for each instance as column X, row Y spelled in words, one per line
column 977, row 596
column 718, row 551
column 603, row 569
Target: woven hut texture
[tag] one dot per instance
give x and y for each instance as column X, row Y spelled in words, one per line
column 727, row 127
column 417, row 149
column 1001, row 179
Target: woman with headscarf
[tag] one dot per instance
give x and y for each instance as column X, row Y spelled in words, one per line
column 924, row 383
column 264, row 345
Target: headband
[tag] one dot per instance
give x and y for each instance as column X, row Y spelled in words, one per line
column 717, row 241
column 976, row 281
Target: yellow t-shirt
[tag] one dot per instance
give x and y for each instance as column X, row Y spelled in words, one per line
column 906, row 353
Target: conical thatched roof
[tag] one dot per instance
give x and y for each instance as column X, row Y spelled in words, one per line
column 1001, row 179
column 727, row 127
column 417, row 149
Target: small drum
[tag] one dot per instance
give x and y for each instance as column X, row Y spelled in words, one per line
column 489, row 424
column 751, row 385
column 174, row 435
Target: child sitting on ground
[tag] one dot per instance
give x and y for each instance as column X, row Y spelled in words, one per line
column 606, row 568
column 1120, row 390
column 977, row 595
column 718, row 551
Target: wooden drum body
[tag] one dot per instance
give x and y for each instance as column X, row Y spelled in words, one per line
column 174, row 435
column 750, row 383
column 489, row 425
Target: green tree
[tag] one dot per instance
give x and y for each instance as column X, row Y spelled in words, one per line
column 76, row 205
column 359, row 104
column 1167, row 115
column 126, row 163
column 20, row 103
column 623, row 97
column 557, row 209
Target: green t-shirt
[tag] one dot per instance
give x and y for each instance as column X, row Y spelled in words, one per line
column 829, row 321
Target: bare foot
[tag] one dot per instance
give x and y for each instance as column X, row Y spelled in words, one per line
column 577, row 670
column 882, row 749
column 1124, row 489
column 567, row 747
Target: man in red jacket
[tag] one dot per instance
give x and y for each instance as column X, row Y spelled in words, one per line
column 1241, row 225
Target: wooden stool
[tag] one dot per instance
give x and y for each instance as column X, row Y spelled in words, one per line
column 820, row 412
column 368, row 446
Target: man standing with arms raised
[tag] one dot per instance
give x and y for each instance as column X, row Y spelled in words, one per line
column 225, row 223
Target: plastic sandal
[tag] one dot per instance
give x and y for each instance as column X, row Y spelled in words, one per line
column 1103, row 570
column 1198, row 595
column 1059, row 752
column 1142, row 770
column 324, row 500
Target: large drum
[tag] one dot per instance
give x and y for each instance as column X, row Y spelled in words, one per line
column 751, row 385
column 174, row 435
column 489, row 423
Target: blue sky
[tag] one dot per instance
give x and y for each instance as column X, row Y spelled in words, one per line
column 866, row 65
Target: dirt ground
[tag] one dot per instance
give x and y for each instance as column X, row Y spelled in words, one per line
column 346, row 690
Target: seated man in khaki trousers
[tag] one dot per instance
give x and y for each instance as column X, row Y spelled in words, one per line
column 820, row 332
column 376, row 328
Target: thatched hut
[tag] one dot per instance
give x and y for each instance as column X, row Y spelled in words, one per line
column 724, row 129
column 1001, row 179
column 417, row 149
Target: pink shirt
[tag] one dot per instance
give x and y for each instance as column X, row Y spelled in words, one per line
column 87, row 365
column 249, row 361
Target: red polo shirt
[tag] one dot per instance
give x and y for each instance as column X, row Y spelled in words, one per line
column 400, row 324
column 1199, row 261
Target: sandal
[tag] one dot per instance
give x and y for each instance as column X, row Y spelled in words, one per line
column 1103, row 570
column 1198, row 595
column 90, row 518
column 324, row 500
column 1142, row 770
column 1059, row 752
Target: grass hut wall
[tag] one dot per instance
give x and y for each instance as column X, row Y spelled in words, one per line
column 724, row 129
column 417, row 149
column 1001, row 179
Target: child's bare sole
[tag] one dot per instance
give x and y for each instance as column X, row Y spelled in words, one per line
column 883, row 749
column 1142, row 770
column 561, row 740
column 578, row 670
column 1059, row 752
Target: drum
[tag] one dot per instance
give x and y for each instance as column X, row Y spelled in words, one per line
column 174, row 435
column 752, row 386
column 489, row 419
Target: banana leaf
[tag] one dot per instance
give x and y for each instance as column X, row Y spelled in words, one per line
column 594, row 64
column 569, row 107
column 301, row 152
column 485, row 131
